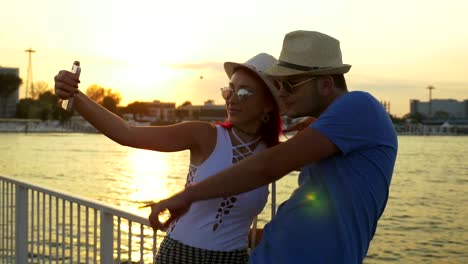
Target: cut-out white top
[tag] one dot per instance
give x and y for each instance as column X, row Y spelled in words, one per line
column 221, row 224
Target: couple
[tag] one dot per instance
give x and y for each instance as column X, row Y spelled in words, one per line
column 346, row 158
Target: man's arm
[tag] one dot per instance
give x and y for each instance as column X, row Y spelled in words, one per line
column 270, row 165
column 307, row 147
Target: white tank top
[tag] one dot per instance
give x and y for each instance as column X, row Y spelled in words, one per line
column 220, row 224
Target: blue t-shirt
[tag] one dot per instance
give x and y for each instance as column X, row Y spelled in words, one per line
column 332, row 216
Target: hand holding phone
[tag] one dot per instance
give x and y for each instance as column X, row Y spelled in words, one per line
column 76, row 69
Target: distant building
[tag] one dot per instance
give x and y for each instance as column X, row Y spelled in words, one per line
column 206, row 112
column 211, row 112
column 161, row 111
column 8, row 104
column 440, row 108
column 150, row 112
column 188, row 112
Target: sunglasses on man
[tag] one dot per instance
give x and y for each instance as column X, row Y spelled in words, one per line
column 290, row 87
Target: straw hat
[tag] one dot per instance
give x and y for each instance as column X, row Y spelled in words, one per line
column 309, row 53
column 258, row 65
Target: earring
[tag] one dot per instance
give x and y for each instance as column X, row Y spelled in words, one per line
column 265, row 117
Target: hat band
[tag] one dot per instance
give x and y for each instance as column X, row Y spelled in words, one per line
column 299, row 67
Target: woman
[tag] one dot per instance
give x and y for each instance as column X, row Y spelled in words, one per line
column 216, row 230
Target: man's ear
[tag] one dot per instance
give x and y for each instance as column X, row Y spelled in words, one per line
column 326, row 86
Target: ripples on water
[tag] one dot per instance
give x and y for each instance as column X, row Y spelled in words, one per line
column 426, row 219
column 426, row 216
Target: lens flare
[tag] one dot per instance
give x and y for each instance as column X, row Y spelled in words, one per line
column 313, row 201
column 311, row 197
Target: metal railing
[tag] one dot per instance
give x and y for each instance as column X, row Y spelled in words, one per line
column 39, row 225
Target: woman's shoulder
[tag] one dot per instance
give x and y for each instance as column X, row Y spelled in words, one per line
column 199, row 126
column 205, row 131
column 201, row 132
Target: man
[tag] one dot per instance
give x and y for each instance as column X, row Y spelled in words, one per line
column 346, row 155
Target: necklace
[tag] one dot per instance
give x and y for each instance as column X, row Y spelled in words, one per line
column 241, row 131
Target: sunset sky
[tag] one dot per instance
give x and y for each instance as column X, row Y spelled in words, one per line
column 157, row 50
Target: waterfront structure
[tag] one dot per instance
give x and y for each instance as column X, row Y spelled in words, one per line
column 161, row 111
column 207, row 112
column 29, row 87
column 440, row 108
column 150, row 112
column 8, row 104
column 211, row 112
column 446, row 128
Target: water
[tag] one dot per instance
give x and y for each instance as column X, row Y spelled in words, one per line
column 426, row 219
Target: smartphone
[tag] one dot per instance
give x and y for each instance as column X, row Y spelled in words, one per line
column 76, row 69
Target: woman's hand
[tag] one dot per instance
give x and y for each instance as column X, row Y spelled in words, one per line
column 66, row 84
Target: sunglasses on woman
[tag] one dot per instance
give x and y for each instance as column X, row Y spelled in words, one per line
column 241, row 93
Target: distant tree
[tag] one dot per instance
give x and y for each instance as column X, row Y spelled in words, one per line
column 40, row 87
column 45, row 113
column 396, row 120
column 48, row 97
column 114, row 95
column 414, row 118
column 186, row 103
column 110, row 104
column 8, row 84
column 209, row 102
column 46, row 103
column 137, row 109
column 98, row 93
column 25, row 108
column 45, row 107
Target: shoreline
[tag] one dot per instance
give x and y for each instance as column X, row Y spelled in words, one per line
column 46, row 126
column 79, row 125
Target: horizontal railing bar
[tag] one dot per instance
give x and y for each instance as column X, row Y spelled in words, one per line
column 83, row 201
column 53, row 221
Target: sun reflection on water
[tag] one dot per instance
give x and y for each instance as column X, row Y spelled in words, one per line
column 149, row 178
column 150, row 171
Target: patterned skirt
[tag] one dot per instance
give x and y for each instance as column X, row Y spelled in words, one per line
column 173, row 252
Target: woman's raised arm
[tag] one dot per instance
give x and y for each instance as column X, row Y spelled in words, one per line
column 176, row 137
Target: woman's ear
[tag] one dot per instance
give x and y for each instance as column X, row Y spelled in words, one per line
column 268, row 107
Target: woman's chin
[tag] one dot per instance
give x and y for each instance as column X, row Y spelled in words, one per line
column 236, row 121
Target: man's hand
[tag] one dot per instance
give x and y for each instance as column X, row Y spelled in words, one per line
column 300, row 125
column 177, row 206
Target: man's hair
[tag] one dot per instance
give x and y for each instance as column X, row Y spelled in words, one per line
column 340, row 81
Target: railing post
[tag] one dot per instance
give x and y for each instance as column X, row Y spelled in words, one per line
column 21, row 235
column 107, row 237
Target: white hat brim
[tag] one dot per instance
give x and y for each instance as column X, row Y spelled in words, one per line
column 231, row 67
